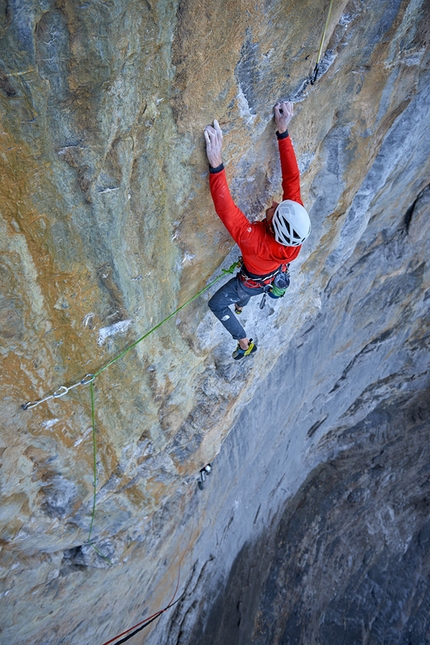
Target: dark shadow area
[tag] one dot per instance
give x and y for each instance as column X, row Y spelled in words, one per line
column 348, row 560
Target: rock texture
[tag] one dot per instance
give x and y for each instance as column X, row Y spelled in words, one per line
column 313, row 526
column 348, row 560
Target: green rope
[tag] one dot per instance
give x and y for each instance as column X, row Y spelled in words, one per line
column 93, row 424
column 111, row 362
column 148, row 333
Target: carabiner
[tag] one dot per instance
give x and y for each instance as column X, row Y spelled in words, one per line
column 88, row 378
column 59, row 393
column 313, row 78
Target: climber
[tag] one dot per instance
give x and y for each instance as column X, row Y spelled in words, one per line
column 267, row 246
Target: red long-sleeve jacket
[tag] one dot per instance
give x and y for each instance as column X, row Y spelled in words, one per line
column 261, row 253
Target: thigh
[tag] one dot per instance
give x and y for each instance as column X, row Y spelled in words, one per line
column 247, row 292
column 233, row 291
column 226, row 295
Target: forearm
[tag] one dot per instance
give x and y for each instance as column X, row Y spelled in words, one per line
column 290, row 169
column 230, row 214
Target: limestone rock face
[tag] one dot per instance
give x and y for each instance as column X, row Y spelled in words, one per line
column 313, row 525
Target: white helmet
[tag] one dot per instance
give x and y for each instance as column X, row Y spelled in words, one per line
column 291, row 223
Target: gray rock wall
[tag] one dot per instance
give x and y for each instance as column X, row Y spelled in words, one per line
column 342, row 556
column 107, row 226
column 347, row 560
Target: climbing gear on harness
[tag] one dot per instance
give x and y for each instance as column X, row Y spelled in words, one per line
column 314, row 74
column 238, row 310
column 275, row 292
column 291, row 223
column 280, row 284
column 275, row 284
column 241, row 353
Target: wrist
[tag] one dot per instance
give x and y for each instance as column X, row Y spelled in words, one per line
column 215, row 169
column 282, row 135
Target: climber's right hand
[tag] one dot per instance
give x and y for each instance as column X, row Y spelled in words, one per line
column 213, row 137
column 283, row 114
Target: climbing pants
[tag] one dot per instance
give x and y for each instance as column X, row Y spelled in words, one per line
column 233, row 292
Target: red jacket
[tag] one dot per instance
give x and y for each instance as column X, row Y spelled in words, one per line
column 261, row 253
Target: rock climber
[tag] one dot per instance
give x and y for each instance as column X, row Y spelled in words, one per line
column 267, row 246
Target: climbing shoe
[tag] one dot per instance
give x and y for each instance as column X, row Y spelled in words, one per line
column 238, row 310
column 241, row 353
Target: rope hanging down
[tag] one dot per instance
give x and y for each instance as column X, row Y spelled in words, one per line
column 144, row 623
column 131, row 631
column 90, row 378
column 316, row 68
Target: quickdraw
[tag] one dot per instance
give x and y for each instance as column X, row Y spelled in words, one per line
column 62, row 390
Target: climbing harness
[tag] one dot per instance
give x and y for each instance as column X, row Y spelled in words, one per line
column 274, row 284
column 89, row 379
column 272, row 287
column 254, row 281
column 314, row 74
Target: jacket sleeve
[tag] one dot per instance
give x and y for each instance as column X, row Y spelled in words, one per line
column 290, row 170
column 231, row 216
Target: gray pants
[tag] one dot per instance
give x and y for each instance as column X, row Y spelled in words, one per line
column 232, row 292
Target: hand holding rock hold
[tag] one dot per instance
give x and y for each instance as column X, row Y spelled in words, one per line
column 283, row 114
column 213, row 136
